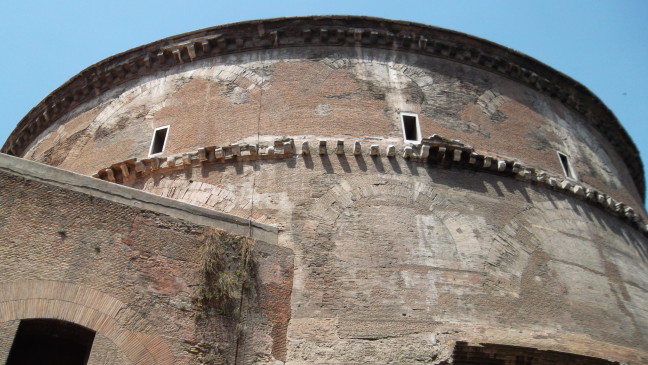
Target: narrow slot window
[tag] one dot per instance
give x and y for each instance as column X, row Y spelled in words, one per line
column 411, row 128
column 159, row 140
column 566, row 165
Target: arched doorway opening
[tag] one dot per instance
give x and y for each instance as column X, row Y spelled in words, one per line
column 50, row 341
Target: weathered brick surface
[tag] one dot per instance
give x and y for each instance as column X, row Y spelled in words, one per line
column 394, row 261
column 7, row 332
column 105, row 352
column 333, row 93
column 389, row 252
column 125, row 272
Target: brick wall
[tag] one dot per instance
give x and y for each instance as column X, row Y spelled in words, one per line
column 127, row 273
column 332, row 93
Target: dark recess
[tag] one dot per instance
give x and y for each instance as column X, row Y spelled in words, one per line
column 50, row 341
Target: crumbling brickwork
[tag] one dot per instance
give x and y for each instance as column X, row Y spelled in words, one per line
column 512, row 218
column 128, row 273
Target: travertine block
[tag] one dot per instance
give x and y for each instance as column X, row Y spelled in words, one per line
column 473, row 158
column 110, row 175
column 202, row 154
column 408, row 152
column 578, row 190
column 140, row 167
column 456, row 155
column 425, row 152
column 541, row 177
column 441, row 153
column 236, row 149
column 218, row 153
column 339, row 148
column 322, row 147
column 287, row 148
column 186, row 159
column 487, row 162
column 501, row 165
column 601, row 198
column 517, row 167
column 124, row 170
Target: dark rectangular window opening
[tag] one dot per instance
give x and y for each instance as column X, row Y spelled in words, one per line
column 410, row 127
column 567, row 169
column 50, row 341
column 159, row 140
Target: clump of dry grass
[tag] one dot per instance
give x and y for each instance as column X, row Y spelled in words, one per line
column 225, row 267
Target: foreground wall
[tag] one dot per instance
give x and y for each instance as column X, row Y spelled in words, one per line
column 126, row 265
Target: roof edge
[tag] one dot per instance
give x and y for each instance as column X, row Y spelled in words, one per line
column 120, row 194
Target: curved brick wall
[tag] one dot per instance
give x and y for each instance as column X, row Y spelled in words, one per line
column 332, row 92
column 403, row 252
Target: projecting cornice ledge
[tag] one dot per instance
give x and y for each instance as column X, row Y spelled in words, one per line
column 433, row 151
column 320, row 31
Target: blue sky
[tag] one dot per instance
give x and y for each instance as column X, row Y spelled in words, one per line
column 602, row 44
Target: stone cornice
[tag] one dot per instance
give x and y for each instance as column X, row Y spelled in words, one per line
column 319, row 31
column 434, row 151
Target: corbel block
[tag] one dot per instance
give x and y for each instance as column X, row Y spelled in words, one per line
column 456, row 156
column 287, row 148
column 357, row 148
column 110, row 175
column 425, row 152
column 202, row 154
column 488, row 161
column 408, row 152
column 236, row 149
column 124, row 170
column 473, row 158
column 186, row 159
column 322, row 147
column 139, row 166
column 339, row 148
column 501, row 165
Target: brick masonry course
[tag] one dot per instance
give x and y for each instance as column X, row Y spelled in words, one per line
column 124, row 271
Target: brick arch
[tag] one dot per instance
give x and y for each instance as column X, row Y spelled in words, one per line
column 87, row 307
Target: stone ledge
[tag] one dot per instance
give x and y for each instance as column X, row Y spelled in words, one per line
column 434, row 151
column 132, row 197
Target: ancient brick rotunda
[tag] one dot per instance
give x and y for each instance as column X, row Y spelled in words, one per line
column 322, row 190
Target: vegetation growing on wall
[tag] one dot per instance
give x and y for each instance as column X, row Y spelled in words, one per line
column 225, row 269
